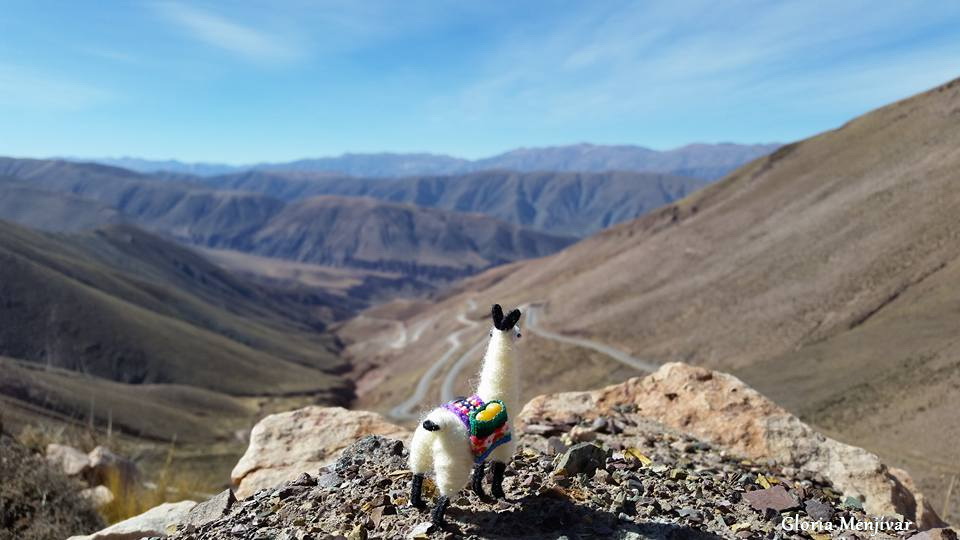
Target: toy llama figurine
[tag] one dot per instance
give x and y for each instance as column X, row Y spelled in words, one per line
column 463, row 434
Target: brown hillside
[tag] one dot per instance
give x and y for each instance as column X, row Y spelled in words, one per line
column 122, row 306
column 825, row 274
column 367, row 233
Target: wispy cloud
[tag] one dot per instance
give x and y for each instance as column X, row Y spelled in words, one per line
column 608, row 60
column 218, row 31
column 25, row 88
column 110, row 54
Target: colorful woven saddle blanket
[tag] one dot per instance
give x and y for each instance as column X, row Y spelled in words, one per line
column 486, row 423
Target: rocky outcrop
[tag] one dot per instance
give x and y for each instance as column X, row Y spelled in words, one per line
column 637, row 480
column 284, row 445
column 721, row 409
column 158, row 521
column 683, row 453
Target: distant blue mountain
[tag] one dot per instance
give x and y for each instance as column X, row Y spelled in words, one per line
column 703, row 161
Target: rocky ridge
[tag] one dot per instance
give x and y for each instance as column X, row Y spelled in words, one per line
column 685, row 452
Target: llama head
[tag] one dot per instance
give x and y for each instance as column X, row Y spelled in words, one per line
column 441, row 420
column 506, row 324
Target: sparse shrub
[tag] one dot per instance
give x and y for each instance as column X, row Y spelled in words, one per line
column 38, row 435
column 37, row 501
column 130, row 499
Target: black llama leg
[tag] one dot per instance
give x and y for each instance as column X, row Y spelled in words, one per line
column 416, row 492
column 498, row 468
column 477, row 481
column 438, row 511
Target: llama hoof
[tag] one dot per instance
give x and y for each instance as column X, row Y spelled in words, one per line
column 437, row 516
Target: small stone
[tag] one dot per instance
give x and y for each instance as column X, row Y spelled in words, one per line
column 541, row 429
column 776, row 498
column 376, row 515
column 691, row 513
column 422, row 530
column 71, row 461
column 936, row 534
column 555, row 446
column 601, row 476
column 304, row 480
column 210, row 510
column 358, row 533
column 98, row 496
column 582, row 434
column 582, row 458
column 636, row 454
column 599, row 425
column 329, row 480
column 818, row 510
column 853, row 502
column 289, row 491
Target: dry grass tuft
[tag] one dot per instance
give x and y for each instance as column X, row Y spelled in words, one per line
column 131, row 499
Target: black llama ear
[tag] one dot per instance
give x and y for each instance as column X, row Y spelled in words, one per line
column 511, row 320
column 497, row 313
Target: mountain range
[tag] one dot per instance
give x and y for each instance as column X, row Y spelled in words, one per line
column 419, row 243
column 824, row 274
column 564, row 203
column 704, row 161
column 412, row 233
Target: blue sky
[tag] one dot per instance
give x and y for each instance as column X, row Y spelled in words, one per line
column 251, row 81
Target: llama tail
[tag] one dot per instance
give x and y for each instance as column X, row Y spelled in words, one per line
column 421, row 451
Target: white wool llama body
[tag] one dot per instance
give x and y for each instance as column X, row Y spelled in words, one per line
column 442, row 443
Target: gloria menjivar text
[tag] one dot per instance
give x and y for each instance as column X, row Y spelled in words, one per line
column 793, row 523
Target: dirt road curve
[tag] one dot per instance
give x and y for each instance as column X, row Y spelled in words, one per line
column 408, row 410
column 618, row 355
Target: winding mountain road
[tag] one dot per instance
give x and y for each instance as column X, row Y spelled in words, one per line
column 616, row 354
column 407, row 409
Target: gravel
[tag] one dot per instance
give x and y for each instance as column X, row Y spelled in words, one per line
column 644, row 481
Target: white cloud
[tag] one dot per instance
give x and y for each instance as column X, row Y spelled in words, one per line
column 228, row 35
